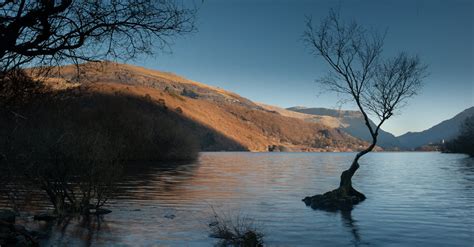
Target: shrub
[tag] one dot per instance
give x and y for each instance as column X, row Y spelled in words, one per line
column 235, row 230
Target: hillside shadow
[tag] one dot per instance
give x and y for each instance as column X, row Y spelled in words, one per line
column 208, row 138
column 149, row 138
column 120, row 114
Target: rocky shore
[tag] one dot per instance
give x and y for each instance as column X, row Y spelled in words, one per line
column 12, row 234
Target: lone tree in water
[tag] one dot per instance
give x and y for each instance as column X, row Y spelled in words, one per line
column 50, row 32
column 378, row 86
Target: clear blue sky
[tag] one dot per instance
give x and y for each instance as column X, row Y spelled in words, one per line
column 254, row 48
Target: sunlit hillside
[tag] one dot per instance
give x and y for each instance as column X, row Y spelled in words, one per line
column 255, row 127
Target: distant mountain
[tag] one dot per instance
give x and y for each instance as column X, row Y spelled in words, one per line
column 352, row 122
column 222, row 120
column 445, row 130
column 329, row 121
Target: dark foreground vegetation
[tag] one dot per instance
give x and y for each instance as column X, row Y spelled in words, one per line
column 73, row 144
column 464, row 143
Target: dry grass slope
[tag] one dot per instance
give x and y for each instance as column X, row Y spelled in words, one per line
column 248, row 126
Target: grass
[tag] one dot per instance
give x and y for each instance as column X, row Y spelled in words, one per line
column 236, row 230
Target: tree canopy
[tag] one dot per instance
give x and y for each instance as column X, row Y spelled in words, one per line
column 51, row 31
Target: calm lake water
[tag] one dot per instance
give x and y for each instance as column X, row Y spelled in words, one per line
column 413, row 199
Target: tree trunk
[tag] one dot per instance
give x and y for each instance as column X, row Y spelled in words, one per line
column 345, row 187
column 344, row 197
column 346, row 177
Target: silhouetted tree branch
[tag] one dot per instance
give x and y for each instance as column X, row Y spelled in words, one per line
column 52, row 31
column 378, row 86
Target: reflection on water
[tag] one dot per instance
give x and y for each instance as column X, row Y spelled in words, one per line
column 351, row 224
column 414, row 199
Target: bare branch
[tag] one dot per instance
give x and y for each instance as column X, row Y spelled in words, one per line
column 49, row 32
column 378, row 86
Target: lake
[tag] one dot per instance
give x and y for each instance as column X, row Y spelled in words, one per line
column 413, row 199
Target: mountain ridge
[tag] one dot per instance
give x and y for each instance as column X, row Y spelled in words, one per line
column 256, row 126
column 239, row 119
column 353, row 123
column 443, row 131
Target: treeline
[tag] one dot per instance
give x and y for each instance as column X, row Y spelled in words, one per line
column 464, row 143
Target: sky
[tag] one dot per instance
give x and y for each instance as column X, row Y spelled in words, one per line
column 255, row 48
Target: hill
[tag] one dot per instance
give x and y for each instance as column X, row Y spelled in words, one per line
column 231, row 122
column 351, row 122
column 446, row 130
column 328, row 121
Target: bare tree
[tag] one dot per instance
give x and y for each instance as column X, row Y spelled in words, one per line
column 378, row 86
column 51, row 31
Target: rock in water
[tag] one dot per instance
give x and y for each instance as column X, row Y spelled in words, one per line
column 14, row 235
column 102, row 211
column 250, row 238
column 7, row 216
column 44, row 217
column 170, row 216
column 337, row 199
